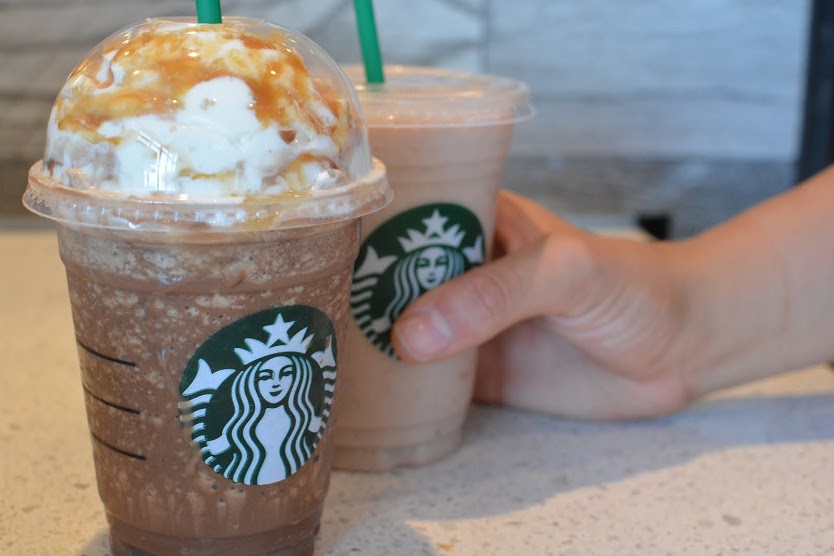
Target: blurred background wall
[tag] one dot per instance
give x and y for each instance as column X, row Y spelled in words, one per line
column 690, row 109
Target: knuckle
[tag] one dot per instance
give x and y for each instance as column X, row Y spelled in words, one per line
column 569, row 272
column 573, row 256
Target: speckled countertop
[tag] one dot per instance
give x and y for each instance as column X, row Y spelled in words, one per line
column 750, row 471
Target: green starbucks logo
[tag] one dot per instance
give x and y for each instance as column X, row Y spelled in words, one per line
column 257, row 395
column 405, row 257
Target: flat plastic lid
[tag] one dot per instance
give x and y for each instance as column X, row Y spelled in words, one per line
column 422, row 96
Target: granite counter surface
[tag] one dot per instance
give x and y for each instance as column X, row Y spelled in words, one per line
column 749, row 471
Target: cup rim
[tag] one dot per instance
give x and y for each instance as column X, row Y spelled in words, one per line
column 182, row 214
column 411, row 92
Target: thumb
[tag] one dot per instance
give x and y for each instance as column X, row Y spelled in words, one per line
column 541, row 278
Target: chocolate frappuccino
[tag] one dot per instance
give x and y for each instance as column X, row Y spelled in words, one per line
column 207, row 182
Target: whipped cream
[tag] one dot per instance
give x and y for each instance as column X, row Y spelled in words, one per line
column 199, row 112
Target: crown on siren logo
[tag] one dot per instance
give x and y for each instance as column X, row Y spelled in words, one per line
column 435, row 233
column 279, row 332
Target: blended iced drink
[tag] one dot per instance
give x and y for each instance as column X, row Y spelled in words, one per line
column 207, row 182
column 444, row 138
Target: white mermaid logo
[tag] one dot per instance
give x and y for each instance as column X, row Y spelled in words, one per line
column 259, row 424
column 385, row 285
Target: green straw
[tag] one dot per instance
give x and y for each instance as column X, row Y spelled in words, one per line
column 369, row 41
column 208, row 11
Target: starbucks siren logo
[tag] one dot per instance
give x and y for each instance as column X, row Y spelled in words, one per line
column 257, row 394
column 405, row 257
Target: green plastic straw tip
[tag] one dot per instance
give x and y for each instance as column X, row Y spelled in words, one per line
column 368, row 40
column 208, row 11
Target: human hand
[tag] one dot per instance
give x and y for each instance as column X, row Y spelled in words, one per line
column 575, row 324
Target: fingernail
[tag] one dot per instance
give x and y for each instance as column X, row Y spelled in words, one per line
column 423, row 334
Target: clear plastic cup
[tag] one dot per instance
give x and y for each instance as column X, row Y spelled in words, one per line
column 444, row 138
column 207, row 182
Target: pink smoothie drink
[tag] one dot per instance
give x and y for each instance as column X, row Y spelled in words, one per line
column 444, row 138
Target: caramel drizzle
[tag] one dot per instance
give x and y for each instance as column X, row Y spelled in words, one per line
column 179, row 68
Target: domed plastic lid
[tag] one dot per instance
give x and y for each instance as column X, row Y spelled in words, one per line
column 421, row 96
column 169, row 124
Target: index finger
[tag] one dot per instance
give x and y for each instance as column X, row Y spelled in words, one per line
column 519, row 221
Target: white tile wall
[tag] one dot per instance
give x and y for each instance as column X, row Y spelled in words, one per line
column 656, row 77
column 709, row 126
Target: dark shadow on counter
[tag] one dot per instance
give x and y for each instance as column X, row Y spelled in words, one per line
column 97, row 546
